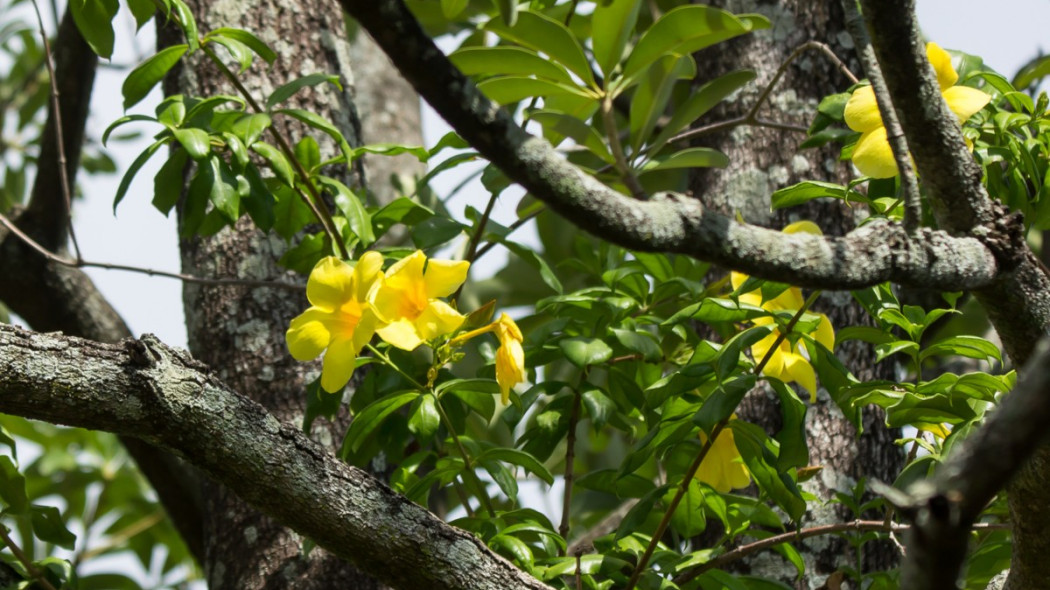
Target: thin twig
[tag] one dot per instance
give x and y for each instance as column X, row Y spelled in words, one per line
column 609, row 119
column 894, row 132
column 827, row 529
column 51, row 256
column 570, row 457
column 483, row 496
column 26, row 563
column 517, row 224
column 683, row 487
column 56, row 111
column 472, row 250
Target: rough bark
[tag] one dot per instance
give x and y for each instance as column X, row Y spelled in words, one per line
column 240, row 332
column 148, row 390
column 762, row 160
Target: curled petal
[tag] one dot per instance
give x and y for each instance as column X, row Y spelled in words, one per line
column 438, row 319
column 443, row 277
column 798, row 369
column 723, row 468
column 965, row 101
column 873, row 156
column 338, row 365
column 862, row 111
column 942, row 65
column 407, row 271
column 401, row 333
column 825, row 333
column 330, row 284
column 308, row 334
column 510, row 367
column 367, row 273
column 506, row 329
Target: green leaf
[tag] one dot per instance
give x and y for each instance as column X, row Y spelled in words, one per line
column 723, row 401
column 279, row 164
column 285, row 91
column 689, row 519
column 611, row 26
column 142, row 10
column 508, row 89
column 196, row 142
column 259, row 202
column 688, row 158
column 319, row 403
column 450, row 9
column 149, row 73
column 185, row 20
column 352, row 208
column 400, row 210
column 12, row 487
column 436, row 231
column 809, row 190
column 757, row 451
column 533, row 259
column 572, row 127
column 251, row 127
column 371, row 417
column 308, row 153
column 713, row 309
column 503, row 477
column 240, row 52
column 424, row 419
column 685, row 30
column 637, row 515
column 305, row 255
column 966, row 346
column 701, row 101
column 121, row 121
column 544, row 34
column 125, row 182
column 94, row 18
column 489, row 61
column 794, row 451
column 223, row 193
column 514, row 547
column 508, row 9
column 640, row 342
column 650, row 99
column 321, row 124
column 520, row 458
column 1032, row 71
column 254, row 43
column 167, row 184
column 599, row 407
column 583, row 352
column 50, row 527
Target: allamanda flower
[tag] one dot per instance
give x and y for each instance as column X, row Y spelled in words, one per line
column 723, row 467
column 873, row 156
column 510, row 357
column 407, row 303
column 786, row 362
column 339, row 319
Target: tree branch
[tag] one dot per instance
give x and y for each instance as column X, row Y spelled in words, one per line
column 145, row 389
column 667, row 223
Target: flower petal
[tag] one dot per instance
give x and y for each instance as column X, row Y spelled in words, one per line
column 308, row 334
column 401, row 333
column 942, row 65
column 825, row 333
column 802, row 227
column 330, row 284
column 338, row 365
column 873, row 156
column 438, row 319
column 800, row 371
column 510, row 367
column 406, row 271
column 443, row 277
column 368, row 270
column 862, row 111
column 965, row 101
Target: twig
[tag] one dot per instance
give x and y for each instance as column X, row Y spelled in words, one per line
column 472, row 250
column 683, row 487
column 26, row 563
column 570, row 456
column 827, row 529
column 517, row 224
column 63, row 174
column 609, row 119
column 51, row 256
column 483, row 497
column 894, row 133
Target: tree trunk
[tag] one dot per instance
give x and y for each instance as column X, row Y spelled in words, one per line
column 762, row 160
column 239, row 331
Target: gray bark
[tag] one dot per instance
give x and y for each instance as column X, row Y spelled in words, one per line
column 145, row 389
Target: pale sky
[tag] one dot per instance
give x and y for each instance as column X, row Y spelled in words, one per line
column 1006, row 37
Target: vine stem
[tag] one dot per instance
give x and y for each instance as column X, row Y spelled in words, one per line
column 316, row 204
column 609, row 119
column 26, row 563
column 683, row 487
column 469, row 464
column 60, row 142
column 51, row 256
column 570, row 456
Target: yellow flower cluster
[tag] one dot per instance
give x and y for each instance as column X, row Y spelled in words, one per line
column 786, row 362
column 873, row 156
column 350, row 304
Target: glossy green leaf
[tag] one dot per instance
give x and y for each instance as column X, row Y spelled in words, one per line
column 94, row 19
column 185, row 20
column 583, row 352
column 240, row 52
column 508, row 89
column 142, row 10
column 639, row 342
column 50, row 527
column 757, row 451
column 279, row 164
column 168, row 183
column 794, row 452
column 366, row 421
column 546, row 35
column 723, row 401
column 452, row 8
column 196, row 142
column 12, row 487
column 259, row 202
column 121, row 121
column 713, row 309
column 489, row 61
column 611, row 26
column 400, row 210
column 133, row 169
column 689, row 519
column 685, row 30
column 536, row 261
column 966, row 346
column 688, row 158
column 251, row 127
column 319, row 403
column 149, row 73
column 807, row 191
column 244, row 37
column 352, row 208
column 320, row 123
column 436, row 231
column 286, row 91
column 423, row 419
column 520, row 458
column 649, row 102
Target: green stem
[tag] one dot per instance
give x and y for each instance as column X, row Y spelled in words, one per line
column 609, row 119
column 35, row 573
column 468, row 463
column 383, row 357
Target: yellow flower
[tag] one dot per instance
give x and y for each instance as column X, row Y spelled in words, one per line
column 510, row 358
column 339, row 319
column 723, row 468
column 407, row 300
column 786, row 362
column 872, row 155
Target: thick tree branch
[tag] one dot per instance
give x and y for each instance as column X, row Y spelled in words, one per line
column 873, row 254
column 147, row 390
